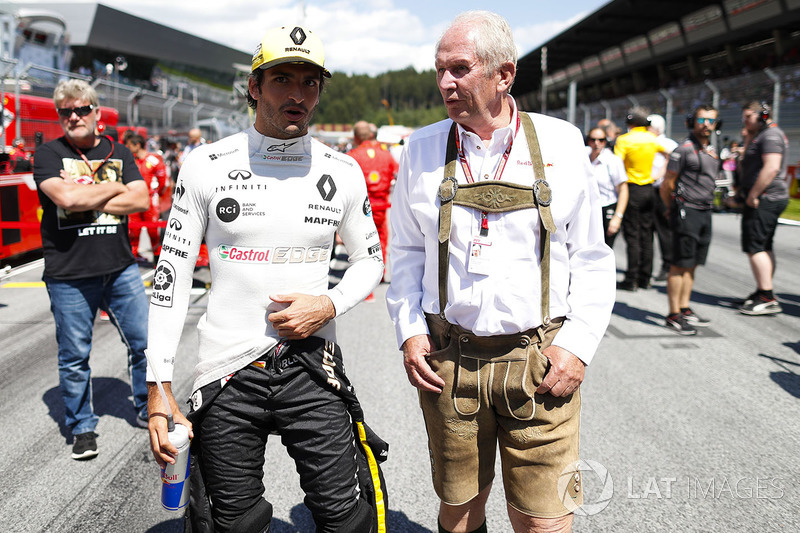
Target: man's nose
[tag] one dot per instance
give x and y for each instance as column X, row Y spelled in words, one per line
column 296, row 92
column 447, row 80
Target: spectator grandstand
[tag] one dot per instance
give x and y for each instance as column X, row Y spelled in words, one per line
column 167, row 82
column 669, row 57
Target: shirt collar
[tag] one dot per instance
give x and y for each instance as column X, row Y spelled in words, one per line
column 270, row 145
column 501, row 135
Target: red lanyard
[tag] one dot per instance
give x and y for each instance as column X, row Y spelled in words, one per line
column 88, row 163
column 497, row 175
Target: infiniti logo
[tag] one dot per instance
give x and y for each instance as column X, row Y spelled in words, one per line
column 175, row 224
column 239, row 174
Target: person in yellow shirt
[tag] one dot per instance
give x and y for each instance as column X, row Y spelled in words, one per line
column 637, row 149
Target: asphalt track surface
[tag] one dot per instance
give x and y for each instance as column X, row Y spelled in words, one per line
column 679, row 434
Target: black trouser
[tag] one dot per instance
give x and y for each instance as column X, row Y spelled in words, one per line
column 314, row 426
column 637, row 226
column 663, row 232
column 759, row 225
column 608, row 214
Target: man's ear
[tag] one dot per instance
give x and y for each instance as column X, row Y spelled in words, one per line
column 253, row 88
column 507, row 73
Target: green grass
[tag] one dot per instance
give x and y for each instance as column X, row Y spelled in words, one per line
column 792, row 211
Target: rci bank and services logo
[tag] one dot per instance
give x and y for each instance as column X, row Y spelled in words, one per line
column 571, row 483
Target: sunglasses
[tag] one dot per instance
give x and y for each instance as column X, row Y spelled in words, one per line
column 704, row 120
column 597, row 139
column 66, row 112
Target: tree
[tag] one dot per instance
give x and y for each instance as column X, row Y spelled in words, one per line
column 413, row 97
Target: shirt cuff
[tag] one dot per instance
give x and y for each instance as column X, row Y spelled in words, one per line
column 417, row 325
column 575, row 339
column 164, row 368
column 340, row 302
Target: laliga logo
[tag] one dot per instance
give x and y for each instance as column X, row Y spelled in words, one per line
column 163, row 278
column 570, row 487
column 163, row 284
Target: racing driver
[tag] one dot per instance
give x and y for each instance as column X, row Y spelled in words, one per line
column 268, row 202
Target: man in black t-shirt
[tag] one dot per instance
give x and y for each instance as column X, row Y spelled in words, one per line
column 764, row 188
column 688, row 194
column 87, row 186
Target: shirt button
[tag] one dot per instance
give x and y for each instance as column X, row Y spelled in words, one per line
column 486, row 176
column 478, row 147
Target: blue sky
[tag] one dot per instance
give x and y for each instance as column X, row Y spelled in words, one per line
column 360, row 36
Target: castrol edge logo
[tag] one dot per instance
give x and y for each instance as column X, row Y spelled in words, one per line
column 277, row 255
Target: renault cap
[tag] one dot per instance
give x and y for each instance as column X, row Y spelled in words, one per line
column 289, row 45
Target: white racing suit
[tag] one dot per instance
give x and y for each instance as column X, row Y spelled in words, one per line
column 268, row 210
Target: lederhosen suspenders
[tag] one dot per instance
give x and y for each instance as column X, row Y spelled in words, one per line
column 496, row 197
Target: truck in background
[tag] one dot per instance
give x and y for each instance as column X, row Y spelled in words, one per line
column 27, row 122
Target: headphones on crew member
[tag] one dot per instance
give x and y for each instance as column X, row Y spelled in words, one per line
column 764, row 112
column 637, row 120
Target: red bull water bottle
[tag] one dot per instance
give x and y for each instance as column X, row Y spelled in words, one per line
column 175, row 477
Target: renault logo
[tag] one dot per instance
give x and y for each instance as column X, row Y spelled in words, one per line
column 326, row 187
column 239, row 174
column 298, row 35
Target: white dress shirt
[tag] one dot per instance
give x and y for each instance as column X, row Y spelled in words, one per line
column 582, row 269
column 608, row 171
column 660, row 159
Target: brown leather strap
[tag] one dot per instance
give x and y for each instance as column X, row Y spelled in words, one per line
column 496, row 197
column 447, row 191
column 543, row 196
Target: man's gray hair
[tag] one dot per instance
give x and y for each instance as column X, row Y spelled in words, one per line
column 490, row 35
column 75, row 90
column 658, row 123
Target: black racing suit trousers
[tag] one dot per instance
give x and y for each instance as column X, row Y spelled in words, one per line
column 637, row 227
column 662, row 229
column 313, row 423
